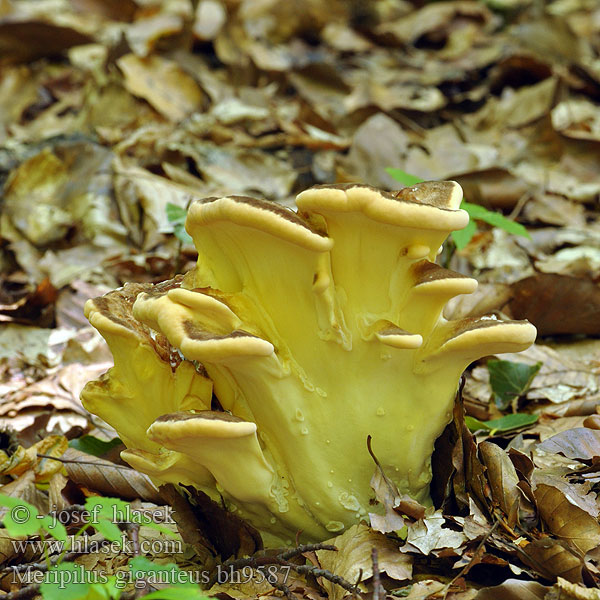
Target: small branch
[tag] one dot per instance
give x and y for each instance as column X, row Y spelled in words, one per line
column 376, row 575
column 282, row 559
column 306, row 548
column 474, row 559
column 133, row 529
column 39, row 566
column 25, row 593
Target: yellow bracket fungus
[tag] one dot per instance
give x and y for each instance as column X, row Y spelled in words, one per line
column 307, row 332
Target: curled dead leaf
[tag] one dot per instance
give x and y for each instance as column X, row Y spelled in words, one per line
column 567, row 521
column 109, row 478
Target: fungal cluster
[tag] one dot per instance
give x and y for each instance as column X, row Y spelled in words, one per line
column 257, row 376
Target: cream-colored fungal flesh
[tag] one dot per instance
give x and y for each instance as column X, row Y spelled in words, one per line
column 314, row 330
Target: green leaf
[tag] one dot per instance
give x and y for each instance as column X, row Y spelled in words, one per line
column 104, row 513
column 171, row 574
column 109, row 590
column 495, row 219
column 52, row 527
column 506, row 423
column 176, row 216
column 93, row 445
column 405, row 178
column 509, row 380
column 175, row 213
column 463, row 236
column 22, row 518
column 64, row 582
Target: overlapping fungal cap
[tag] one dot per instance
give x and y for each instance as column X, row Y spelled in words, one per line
column 318, row 329
column 150, row 378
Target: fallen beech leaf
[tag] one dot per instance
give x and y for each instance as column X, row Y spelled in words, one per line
column 578, row 494
column 395, row 505
column 243, row 170
column 493, row 188
column 22, row 41
column 428, row 534
column 577, row 118
column 117, row 10
column 433, row 17
column 35, row 307
column 580, row 443
column 514, row 589
column 575, row 591
column 24, row 488
column 551, row 558
column 187, row 522
column 378, row 143
column 563, row 376
column 108, row 478
column 144, row 34
column 503, row 479
column 354, row 557
column 557, row 304
column 227, row 533
column 161, row 82
column 566, row 520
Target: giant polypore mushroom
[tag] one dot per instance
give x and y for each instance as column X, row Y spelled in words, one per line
column 313, row 330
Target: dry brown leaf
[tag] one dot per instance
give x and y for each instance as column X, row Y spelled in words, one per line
column 567, row 521
column 573, row 591
column 580, row 443
column 578, row 118
column 395, row 505
column 23, row 460
column 161, row 82
column 144, row 34
column 514, row 589
column 504, row 483
column 28, row 39
column 354, row 557
column 242, row 170
column 24, row 488
column 552, row 558
column 10, row 553
column 433, row 17
column 557, row 304
column 378, row 143
column 108, row 478
column 429, row 534
column 52, row 446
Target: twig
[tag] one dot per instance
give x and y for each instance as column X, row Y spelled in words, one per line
column 376, row 577
column 39, row 566
column 355, row 593
column 281, row 559
column 24, row 593
column 473, row 561
column 134, row 533
column 306, row 548
column 318, row 572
